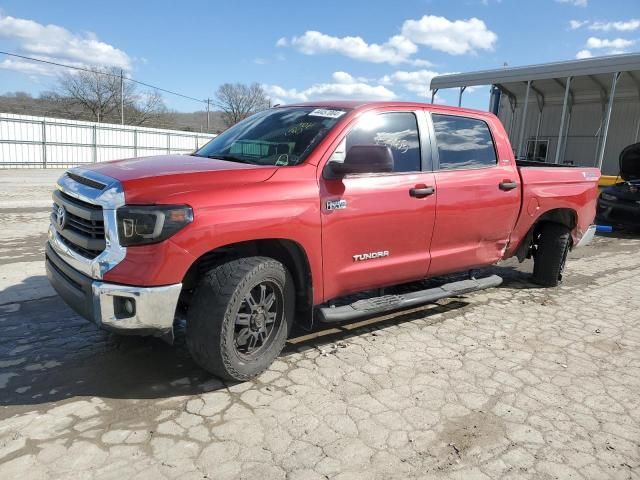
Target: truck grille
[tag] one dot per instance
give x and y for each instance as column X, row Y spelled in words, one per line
column 79, row 224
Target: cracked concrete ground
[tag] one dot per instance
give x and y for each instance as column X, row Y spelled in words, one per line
column 513, row 382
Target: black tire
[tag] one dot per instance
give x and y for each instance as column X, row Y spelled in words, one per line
column 220, row 310
column 550, row 255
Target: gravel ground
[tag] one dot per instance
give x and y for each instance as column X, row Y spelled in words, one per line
column 513, row 382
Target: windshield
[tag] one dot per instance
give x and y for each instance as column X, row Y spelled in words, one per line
column 278, row 136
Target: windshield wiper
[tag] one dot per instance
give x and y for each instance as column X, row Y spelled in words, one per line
column 229, row 158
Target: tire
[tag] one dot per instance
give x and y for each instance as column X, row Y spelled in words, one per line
column 222, row 323
column 550, row 255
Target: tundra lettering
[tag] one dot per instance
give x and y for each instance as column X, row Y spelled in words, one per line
column 251, row 233
column 368, row 256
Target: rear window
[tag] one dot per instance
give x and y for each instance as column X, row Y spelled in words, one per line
column 463, row 142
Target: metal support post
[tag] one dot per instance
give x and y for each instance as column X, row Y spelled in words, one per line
column 433, row 95
column 607, row 119
column 523, row 121
column 208, row 103
column 567, row 89
column 95, row 144
column 121, row 97
column 44, row 143
column 535, row 142
column 462, row 89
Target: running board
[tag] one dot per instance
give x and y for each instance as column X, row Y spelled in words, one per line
column 389, row 303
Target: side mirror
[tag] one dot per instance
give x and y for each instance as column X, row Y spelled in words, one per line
column 362, row 159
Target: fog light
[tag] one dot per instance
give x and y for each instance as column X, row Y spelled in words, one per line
column 124, row 307
column 129, row 307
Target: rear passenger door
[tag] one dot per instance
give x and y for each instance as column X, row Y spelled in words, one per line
column 478, row 195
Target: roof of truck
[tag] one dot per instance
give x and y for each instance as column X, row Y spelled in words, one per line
column 366, row 104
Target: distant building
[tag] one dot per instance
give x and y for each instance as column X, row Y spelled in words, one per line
column 579, row 112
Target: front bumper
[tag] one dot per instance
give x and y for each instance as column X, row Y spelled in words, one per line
column 120, row 308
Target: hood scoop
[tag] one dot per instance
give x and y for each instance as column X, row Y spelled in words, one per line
column 630, row 163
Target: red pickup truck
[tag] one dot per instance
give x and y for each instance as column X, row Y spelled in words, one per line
column 277, row 218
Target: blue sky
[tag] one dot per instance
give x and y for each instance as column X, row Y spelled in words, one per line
column 307, row 50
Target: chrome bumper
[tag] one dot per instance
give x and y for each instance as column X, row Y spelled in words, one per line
column 587, row 237
column 153, row 310
column 119, row 308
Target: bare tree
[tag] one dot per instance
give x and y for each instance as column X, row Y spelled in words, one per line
column 237, row 101
column 142, row 109
column 98, row 92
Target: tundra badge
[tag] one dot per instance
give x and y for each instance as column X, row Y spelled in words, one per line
column 336, row 204
column 370, row 256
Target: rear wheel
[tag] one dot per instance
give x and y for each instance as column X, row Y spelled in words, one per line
column 240, row 316
column 550, row 255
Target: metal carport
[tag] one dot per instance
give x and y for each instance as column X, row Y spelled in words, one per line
column 578, row 112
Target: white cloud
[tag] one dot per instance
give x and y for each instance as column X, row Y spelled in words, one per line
column 417, row 82
column 23, row 66
column 618, row 44
column 604, row 46
column 344, row 77
column 421, row 63
column 344, row 86
column 396, row 50
column 55, row 43
column 575, row 3
column 439, row 33
column 584, row 54
column 622, row 26
column 454, row 37
column 576, row 24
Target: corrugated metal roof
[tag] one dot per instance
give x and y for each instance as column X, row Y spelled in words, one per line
column 590, row 66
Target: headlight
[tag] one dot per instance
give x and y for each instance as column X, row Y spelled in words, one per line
column 140, row 225
column 610, row 198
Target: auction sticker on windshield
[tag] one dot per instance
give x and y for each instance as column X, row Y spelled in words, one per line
column 321, row 112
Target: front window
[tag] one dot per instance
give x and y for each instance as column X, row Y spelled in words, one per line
column 396, row 130
column 279, row 136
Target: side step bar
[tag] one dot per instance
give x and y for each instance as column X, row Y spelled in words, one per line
column 389, row 303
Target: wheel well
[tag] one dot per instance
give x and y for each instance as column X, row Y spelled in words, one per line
column 287, row 252
column 563, row 216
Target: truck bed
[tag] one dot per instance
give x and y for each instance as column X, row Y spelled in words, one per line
column 533, row 163
column 547, row 186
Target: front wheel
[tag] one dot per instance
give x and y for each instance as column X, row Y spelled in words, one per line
column 550, row 255
column 240, row 317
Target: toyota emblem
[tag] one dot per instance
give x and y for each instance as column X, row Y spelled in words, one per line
column 61, row 217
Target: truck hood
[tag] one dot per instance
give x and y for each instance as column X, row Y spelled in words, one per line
column 157, row 179
column 164, row 165
column 630, row 163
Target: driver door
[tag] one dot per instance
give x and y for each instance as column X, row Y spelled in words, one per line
column 376, row 229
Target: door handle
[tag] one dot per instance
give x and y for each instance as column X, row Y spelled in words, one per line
column 421, row 192
column 508, row 185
